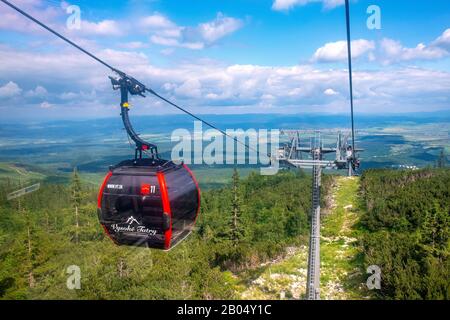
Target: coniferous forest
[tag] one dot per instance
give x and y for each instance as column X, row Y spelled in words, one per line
column 405, row 229
column 241, row 225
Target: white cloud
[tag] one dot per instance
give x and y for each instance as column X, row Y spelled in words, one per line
column 160, row 25
column 386, row 51
column 161, row 29
column 219, row 28
column 9, row 90
column 207, row 86
column 55, row 17
column 167, row 33
column 12, row 21
column 393, row 51
column 330, row 92
column 164, row 41
column 46, row 105
column 157, row 21
column 191, row 88
column 68, row 96
column 174, row 42
column 133, row 45
column 167, row 51
column 38, row 92
column 102, row 28
column 337, row 51
column 284, row 5
column 443, row 41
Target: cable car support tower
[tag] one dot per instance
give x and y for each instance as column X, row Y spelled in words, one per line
column 292, row 155
column 346, row 158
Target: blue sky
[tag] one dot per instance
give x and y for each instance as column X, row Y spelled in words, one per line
column 248, row 56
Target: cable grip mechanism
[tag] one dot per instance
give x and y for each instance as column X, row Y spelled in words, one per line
column 128, row 85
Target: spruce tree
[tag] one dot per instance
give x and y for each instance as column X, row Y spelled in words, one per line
column 29, row 246
column 435, row 229
column 76, row 197
column 442, row 160
column 236, row 228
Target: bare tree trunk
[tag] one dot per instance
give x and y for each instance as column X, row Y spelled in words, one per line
column 235, row 213
column 29, row 240
column 77, row 224
column 31, row 281
column 122, row 268
column 47, row 222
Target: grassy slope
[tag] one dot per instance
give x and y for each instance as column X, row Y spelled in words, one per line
column 16, row 173
column 342, row 275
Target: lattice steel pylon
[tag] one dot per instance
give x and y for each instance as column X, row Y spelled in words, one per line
column 313, row 284
column 290, row 155
column 346, row 158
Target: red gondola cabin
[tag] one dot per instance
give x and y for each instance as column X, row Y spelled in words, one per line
column 150, row 203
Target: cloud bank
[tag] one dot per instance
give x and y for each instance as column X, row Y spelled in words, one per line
column 211, row 87
column 385, row 51
column 60, row 79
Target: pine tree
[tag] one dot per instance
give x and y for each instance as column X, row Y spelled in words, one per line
column 29, row 243
column 76, row 197
column 236, row 229
column 29, row 264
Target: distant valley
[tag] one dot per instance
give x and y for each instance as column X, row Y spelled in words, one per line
column 50, row 150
